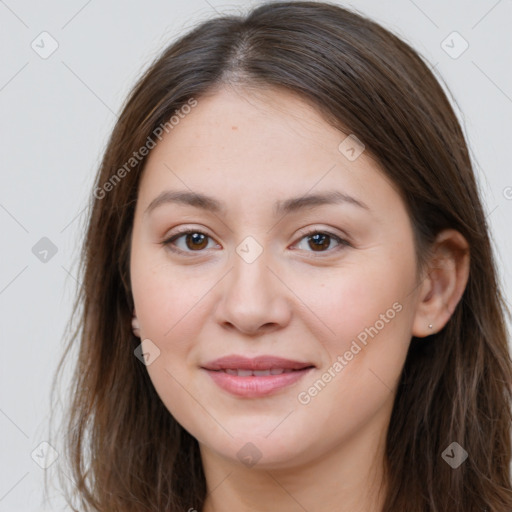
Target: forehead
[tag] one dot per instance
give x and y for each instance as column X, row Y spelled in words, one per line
column 232, row 114
column 254, row 143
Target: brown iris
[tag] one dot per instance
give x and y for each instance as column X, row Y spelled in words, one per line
column 320, row 240
column 196, row 241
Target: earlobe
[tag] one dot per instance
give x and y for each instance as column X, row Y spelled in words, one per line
column 444, row 284
column 135, row 325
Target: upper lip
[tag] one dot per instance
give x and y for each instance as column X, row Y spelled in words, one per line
column 263, row 362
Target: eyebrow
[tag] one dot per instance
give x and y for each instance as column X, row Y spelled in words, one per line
column 293, row 204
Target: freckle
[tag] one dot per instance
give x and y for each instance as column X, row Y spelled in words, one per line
column 234, row 127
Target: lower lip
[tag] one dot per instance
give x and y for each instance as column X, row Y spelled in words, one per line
column 255, row 386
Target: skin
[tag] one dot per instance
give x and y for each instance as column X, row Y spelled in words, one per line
column 299, row 300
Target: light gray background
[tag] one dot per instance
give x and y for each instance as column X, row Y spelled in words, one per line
column 57, row 113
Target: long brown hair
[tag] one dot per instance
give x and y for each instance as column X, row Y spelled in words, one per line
column 125, row 450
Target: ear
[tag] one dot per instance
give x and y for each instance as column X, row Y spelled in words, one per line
column 135, row 325
column 446, row 280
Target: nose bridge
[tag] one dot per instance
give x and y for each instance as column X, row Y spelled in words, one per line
column 252, row 297
column 251, row 277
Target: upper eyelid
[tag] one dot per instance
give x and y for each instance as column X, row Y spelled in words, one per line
column 302, row 231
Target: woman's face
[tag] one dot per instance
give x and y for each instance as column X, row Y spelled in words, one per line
column 298, row 249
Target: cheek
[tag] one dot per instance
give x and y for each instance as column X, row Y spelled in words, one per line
column 363, row 321
column 165, row 298
column 352, row 299
column 365, row 331
column 169, row 306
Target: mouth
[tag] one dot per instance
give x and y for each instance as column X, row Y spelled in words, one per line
column 239, row 372
column 255, row 377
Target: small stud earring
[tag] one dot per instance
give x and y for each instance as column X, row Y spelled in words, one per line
column 430, row 326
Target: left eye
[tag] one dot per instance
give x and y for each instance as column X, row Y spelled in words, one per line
column 196, row 241
column 320, row 241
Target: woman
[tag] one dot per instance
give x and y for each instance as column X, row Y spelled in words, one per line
column 290, row 298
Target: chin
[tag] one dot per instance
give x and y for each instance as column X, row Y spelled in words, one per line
column 253, row 449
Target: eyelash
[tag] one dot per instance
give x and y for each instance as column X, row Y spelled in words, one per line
column 169, row 241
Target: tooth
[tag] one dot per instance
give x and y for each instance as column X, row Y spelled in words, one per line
column 244, row 373
column 231, row 371
column 276, row 371
column 288, row 370
column 260, row 373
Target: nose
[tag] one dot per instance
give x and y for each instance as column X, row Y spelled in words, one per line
column 253, row 299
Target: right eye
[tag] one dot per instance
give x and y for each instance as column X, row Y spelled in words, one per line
column 192, row 240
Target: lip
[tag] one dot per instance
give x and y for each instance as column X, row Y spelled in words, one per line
column 255, row 385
